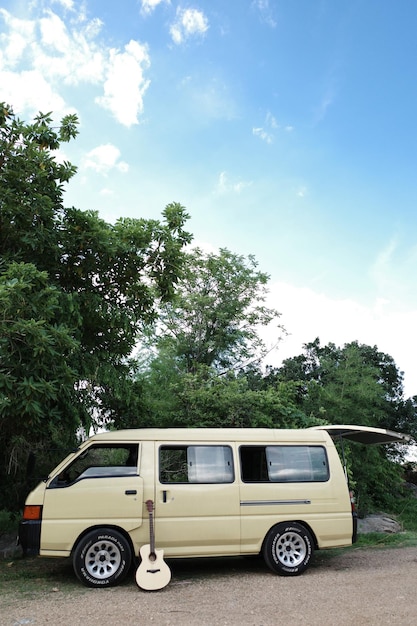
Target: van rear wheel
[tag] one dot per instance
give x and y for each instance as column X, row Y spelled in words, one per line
column 102, row 558
column 288, row 549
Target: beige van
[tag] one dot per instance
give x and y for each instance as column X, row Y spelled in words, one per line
column 215, row 492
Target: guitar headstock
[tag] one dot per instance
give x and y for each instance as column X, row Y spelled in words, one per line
column 149, row 505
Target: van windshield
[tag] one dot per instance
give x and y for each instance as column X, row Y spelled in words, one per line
column 99, row 461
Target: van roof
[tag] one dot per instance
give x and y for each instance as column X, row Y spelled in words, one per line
column 212, row 434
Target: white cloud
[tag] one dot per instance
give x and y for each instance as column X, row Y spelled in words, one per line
column 271, row 121
column 263, row 134
column 54, row 34
column 148, row 6
column 49, row 46
column 17, row 89
column 188, row 23
column 125, row 83
column 67, row 4
column 307, row 314
column 225, row 185
column 325, row 103
column 104, row 158
column 13, row 44
column 265, row 12
column 269, row 129
column 61, row 155
column 205, row 246
column 69, row 56
column 65, row 54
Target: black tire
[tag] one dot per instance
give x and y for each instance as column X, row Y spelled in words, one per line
column 102, row 558
column 288, row 549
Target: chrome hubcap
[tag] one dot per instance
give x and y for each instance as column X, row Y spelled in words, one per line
column 291, row 549
column 102, row 559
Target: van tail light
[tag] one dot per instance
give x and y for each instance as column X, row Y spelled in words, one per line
column 352, row 501
column 32, row 512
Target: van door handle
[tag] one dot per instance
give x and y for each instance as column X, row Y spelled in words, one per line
column 130, row 492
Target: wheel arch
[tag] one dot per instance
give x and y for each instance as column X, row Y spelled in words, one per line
column 120, row 530
column 292, row 521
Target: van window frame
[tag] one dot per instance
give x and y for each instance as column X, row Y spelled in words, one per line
column 264, row 475
column 197, row 474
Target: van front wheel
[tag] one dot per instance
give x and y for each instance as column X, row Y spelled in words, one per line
column 102, row 558
column 288, row 549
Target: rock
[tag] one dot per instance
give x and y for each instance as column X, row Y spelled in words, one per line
column 377, row 523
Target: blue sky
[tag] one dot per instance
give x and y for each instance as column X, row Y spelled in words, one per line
column 286, row 127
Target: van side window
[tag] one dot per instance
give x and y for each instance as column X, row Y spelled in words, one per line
column 284, row 464
column 196, row 464
column 100, row 461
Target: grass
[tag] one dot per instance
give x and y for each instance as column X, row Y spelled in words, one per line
column 31, row 576
column 405, row 539
column 405, row 512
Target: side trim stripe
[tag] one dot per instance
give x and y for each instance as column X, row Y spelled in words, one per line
column 274, row 502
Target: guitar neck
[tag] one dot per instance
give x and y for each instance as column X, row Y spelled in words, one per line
column 151, row 533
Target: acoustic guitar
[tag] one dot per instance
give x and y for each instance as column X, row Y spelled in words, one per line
column 153, row 573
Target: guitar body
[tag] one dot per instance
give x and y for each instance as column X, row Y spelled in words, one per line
column 153, row 573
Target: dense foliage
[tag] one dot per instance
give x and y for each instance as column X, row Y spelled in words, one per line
column 216, row 313
column 74, row 293
column 355, row 384
column 205, row 345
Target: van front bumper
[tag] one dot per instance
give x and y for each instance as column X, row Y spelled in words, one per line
column 30, row 537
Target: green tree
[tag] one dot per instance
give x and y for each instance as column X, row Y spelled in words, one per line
column 353, row 384
column 206, row 350
column 356, row 384
column 38, row 404
column 215, row 317
column 80, row 290
column 174, row 398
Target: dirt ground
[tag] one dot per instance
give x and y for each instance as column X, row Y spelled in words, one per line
column 359, row 586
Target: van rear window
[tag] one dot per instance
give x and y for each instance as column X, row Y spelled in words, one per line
column 284, row 464
column 196, row 464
